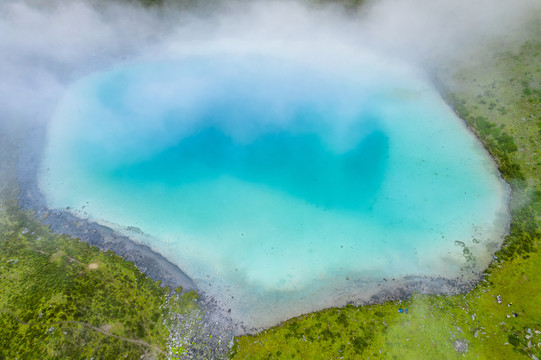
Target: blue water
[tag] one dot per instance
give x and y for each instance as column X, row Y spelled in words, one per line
column 280, row 186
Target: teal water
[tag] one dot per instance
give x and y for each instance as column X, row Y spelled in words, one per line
column 279, row 186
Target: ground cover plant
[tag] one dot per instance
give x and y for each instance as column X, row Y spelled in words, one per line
column 500, row 100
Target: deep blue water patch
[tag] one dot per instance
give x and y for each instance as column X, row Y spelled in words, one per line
column 298, row 165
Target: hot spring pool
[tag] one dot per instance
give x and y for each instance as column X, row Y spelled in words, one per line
column 279, row 186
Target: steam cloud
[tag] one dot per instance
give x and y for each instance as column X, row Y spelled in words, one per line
column 45, row 47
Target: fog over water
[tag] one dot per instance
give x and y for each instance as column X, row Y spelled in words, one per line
column 45, row 47
column 286, row 156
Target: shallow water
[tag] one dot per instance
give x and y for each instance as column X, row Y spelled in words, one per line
column 279, row 186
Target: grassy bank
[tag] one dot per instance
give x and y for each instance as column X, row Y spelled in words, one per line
column 65, row 298
column 500, row 100
column 62, row 298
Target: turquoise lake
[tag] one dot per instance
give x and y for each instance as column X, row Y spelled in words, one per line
column 280, row 186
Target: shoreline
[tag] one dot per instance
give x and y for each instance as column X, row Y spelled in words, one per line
column 62, row 221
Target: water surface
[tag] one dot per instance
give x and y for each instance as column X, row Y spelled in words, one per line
column 279, row 186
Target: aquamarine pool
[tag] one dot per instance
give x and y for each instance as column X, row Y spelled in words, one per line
column 279, row 186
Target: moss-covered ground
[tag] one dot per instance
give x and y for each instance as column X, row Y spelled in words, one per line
column 500, row 100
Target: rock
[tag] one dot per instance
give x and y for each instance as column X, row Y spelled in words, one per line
column 461, row 346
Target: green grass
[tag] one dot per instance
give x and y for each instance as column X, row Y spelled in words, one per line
column 64, row 298
column 500, row 100
column 49, row 280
